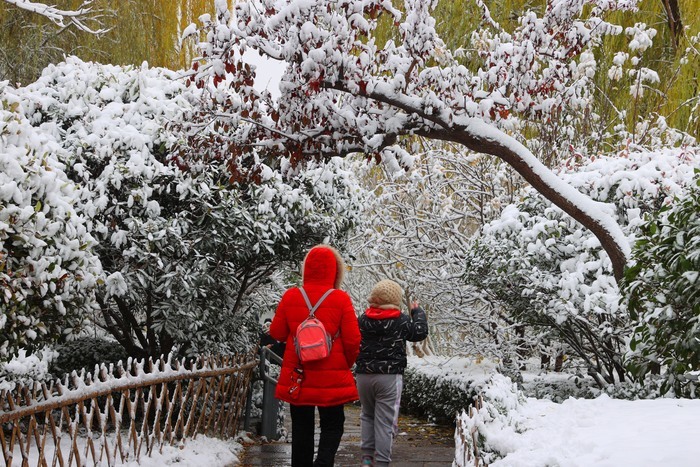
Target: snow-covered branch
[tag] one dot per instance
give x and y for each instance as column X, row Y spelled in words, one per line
column 343, row 92
column 79, row 18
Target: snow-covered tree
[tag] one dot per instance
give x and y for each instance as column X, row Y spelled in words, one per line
column 182, row 243
column 549, row 272
column 416, row 230
column 662, row 291
column 343, row 91
column 48, row 270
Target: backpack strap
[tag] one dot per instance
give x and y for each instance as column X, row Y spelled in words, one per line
column 312, row 309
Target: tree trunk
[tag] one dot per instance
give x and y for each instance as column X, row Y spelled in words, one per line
column 673, row 16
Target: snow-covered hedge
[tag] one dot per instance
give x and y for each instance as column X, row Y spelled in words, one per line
column 434, row 397
column 440, row 387
column 499, row 397
column 551, row 273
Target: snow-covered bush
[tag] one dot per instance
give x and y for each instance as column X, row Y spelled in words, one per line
column 25, row 370
column 500, row 397
column 559, row 386
column 183, row 242
column 662, row 290
column 85, row 352
column 550, row 272
column 48, row 270
column 435, row 397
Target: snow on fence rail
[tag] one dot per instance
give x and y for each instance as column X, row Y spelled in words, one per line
column 121, row 413
column 466, row 437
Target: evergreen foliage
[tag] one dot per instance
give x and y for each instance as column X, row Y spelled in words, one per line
column 85, row 352
column 662, row 290
column 48, row 267
column 437, row 398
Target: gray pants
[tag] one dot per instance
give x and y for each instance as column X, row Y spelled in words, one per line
column 380, row 396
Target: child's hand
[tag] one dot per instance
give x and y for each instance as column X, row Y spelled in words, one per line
column 414, row 304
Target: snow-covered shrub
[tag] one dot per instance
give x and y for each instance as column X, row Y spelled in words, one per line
column 649, row 388
column 435, row 397
column 662, row 290
column 47, row 266
column 85, row 352
column 558, row 387
column 500, row 398
column 25, row 370
column 550, row 272
column 183, row 243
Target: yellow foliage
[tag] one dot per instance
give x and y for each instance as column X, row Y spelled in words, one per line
column 139, row 30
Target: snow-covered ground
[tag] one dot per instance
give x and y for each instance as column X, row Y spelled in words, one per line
column 577, row 432
column 202, row 451
column 601, row 432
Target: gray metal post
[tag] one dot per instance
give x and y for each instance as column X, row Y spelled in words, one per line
column 270, row 407
column 269, row 412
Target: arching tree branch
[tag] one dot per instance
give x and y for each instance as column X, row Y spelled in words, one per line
column 481, row 137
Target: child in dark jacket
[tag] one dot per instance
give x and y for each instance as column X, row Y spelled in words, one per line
column 380, row 367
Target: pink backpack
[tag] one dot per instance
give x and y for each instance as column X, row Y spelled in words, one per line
column 311, row 340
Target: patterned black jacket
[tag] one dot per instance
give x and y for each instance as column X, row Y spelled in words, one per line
column 384, row 336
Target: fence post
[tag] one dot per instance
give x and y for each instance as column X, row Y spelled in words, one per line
column 248, row 405
column 270, row 406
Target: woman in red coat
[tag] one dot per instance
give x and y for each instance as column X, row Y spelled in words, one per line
column 327, row 383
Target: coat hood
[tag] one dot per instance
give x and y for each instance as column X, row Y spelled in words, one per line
column 323, row 266
column 379, row 321
column 382, row 313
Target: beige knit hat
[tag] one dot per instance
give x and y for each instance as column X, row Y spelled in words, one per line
column 386, row 294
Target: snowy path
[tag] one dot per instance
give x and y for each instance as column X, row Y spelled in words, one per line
column 419, row 444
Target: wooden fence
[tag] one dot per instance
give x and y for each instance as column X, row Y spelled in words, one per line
column 467, row 437
column 122, row 413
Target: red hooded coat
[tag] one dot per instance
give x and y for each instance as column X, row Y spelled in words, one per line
column 327, row 382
